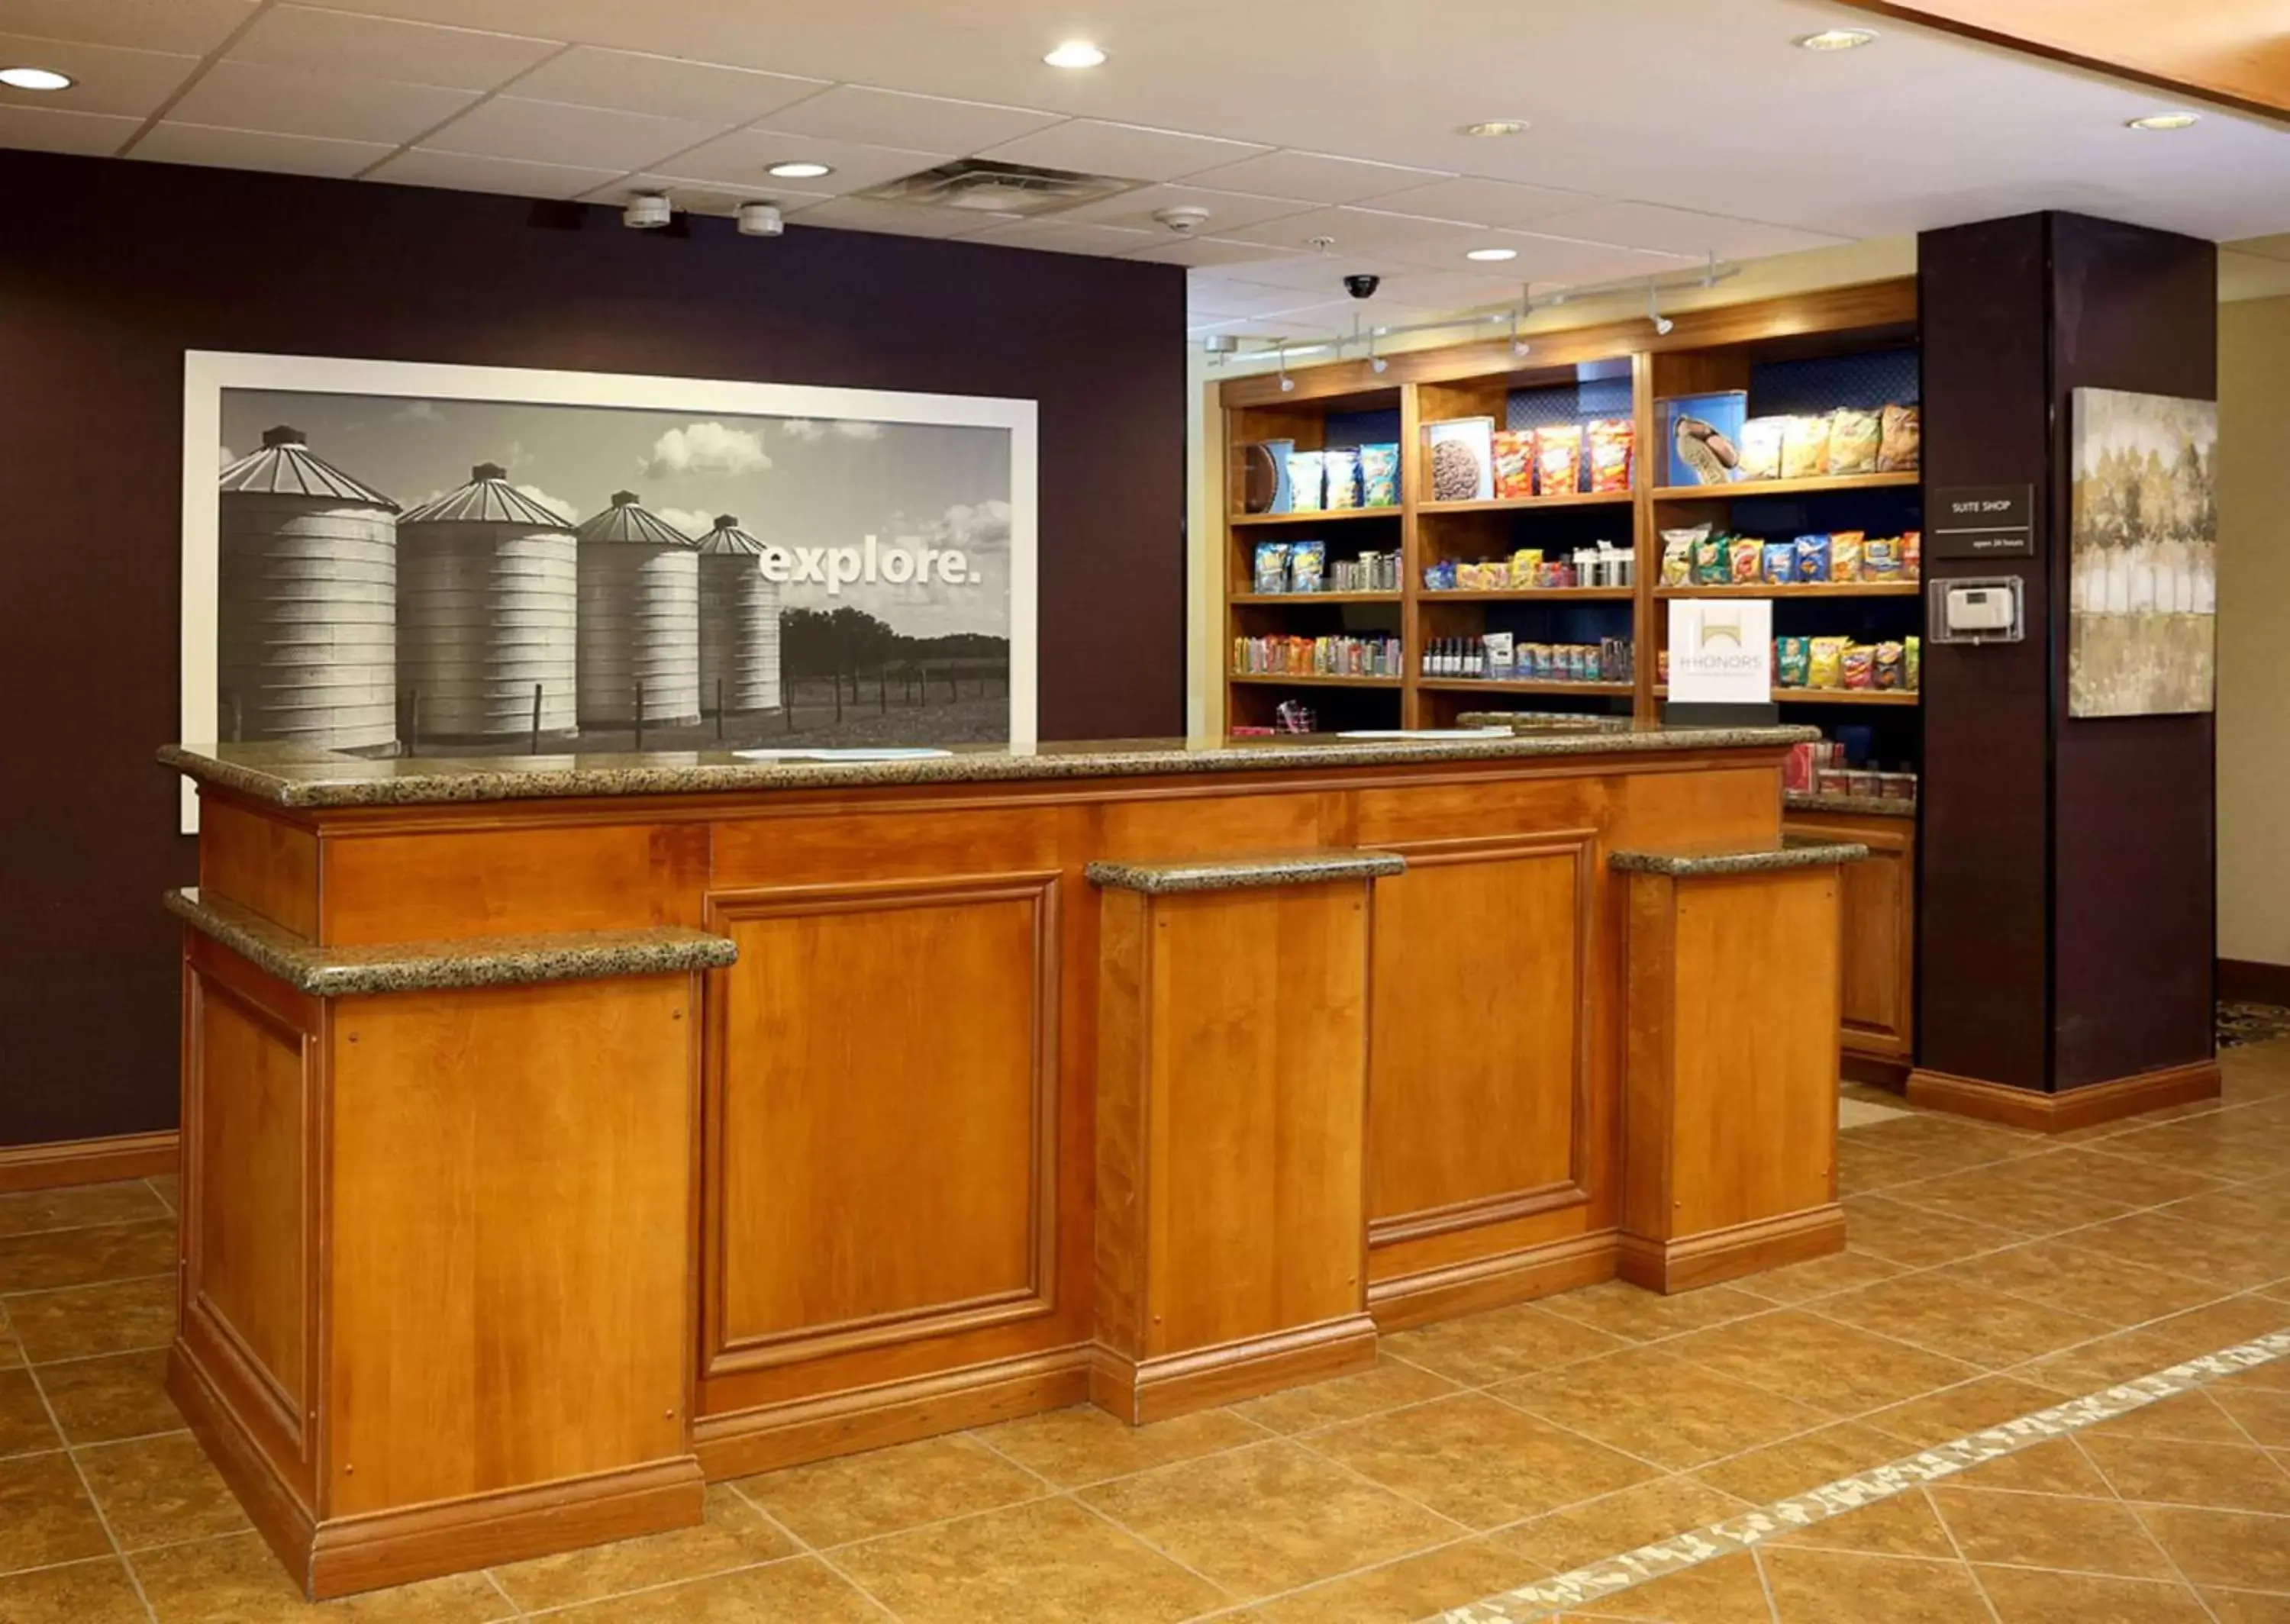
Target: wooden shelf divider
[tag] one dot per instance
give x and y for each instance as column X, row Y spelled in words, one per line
column 1786, row 487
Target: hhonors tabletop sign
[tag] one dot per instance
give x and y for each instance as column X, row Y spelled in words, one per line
column 386, row 558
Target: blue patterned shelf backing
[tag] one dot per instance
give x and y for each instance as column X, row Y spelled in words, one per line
column 1345, row 429
column 1552, row 406
column 1873, row 379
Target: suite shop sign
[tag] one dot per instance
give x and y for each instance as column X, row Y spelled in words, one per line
column 1981, row 522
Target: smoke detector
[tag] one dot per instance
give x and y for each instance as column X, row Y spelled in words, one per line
column 1184, row 219
column 760, row 219
column 646, row 212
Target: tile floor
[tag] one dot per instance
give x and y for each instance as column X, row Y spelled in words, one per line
column 1991, row 1273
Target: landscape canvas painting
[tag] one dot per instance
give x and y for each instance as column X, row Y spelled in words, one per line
column 2144, row 565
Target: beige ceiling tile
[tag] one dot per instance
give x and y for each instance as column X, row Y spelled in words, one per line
column 463, row 171
column 192, row 26
column 1316, row 177
column 383, row 48
column 171, row 141
column 1483, row 203
column 296, row 101
column 1351, row 230
column 742, row 158
column 1220, row 252
column 698, row 199
column 897, row 218
column 557, row 133
column 1227, row 211
column 665, row 86
column 107, row 79
column 1681, row 231
column 55, row 130
column 894, row 119
column 1057, row 236
column 1130, row 151
column 1321, row 276
column 1218, row 296
column 1533, row 255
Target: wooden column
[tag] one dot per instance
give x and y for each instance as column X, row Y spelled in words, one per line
column 1729, row 1109
column 1231, row 1129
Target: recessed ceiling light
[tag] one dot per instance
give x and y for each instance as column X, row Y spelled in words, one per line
column 1492, row 253
column 2165, row 121
column 1075, row 53
column 34, row 79
column 1838, row 39
column 1497, row 126
column 800, row 171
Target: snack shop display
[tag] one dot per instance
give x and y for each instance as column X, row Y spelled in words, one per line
column 1851, row 440
column 1900, row 439
column 1839, row 663
column 1614, row 442
column 1341, row 471
column 1514, row 463
column 1528, row 571
column 1337, row 656
column 1558, row 460
column 1304, row 567
column 1502, row 657
column 1379, row 475
column 1370, row 571
column 1306, row 481
column 1463, row 459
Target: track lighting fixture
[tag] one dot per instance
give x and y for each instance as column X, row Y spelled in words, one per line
column 1661, row 323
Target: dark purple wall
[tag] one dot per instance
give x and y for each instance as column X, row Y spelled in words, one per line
column 109, row 271
column 2066, row 910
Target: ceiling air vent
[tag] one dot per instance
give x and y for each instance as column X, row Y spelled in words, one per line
column 998, row 189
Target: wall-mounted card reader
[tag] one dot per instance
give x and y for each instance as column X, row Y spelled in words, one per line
column 1984, row 610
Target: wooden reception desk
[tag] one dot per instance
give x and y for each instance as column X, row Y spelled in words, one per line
column 563, row 1132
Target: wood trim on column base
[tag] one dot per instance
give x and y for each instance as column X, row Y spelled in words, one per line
column 744, row 1442
column 1719, row 1255
column 1139, row 1391
column 350, row 1555
column 2069, row 1109
column 87, row 1161
column 1408, row 1300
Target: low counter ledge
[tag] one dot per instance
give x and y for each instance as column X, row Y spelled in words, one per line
column 420, row 967
column 1244, row 873
column 1853, row 805
column 1693, row 865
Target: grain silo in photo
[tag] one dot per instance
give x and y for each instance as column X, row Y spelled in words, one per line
column 487, row 601
column 739, row 622
column 640, row 618
column 306, row 601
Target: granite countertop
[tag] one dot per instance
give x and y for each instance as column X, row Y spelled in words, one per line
column 302, row 776
column 1244, row 873
column 1859, row 805
column 1687, row 864
column 419, row 967
column 1545, row 721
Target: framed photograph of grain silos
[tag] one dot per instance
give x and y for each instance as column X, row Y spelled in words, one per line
column 386, row 558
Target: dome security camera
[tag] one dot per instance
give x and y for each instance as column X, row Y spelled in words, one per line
column 646, row 212
column 1361, row 286
column 760, row 219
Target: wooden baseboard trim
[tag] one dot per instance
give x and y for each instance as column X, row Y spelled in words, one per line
column 741, row 1442
column 1141, row 1391
column 270, row 1502
column 457, row 1536
column 1407, row 1301
column 1728, row 1255
column 2249, row 980
column 2069, row 1109
column 1876, row 1070
column 86, row 1161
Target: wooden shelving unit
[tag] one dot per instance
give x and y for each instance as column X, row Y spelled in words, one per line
column 1622, row 361
column 1835, row 696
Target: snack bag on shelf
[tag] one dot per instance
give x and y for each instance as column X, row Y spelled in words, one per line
column 1852, row 439
column 1812, row 558
column 1845, row 554
column 1306, row 481
column 1825, row 662
column 1805, row 448
column 1891, row 660
column 1711, row 564
column 1307, row 562
column 1792, row 663
column 1859, row 666
column 1662, row 666
column 1379, row 475
column 1613, row 441
column 1439, row 577
column 1677, row 551
column 1514, row 463
column 1761, row 447
column 1880, row 558
column 1745, row 560
column 1780, row 563
column 1911, row 660
column 1526, row 567
column 1271, row 567
column 1913, row 550
column 1900, row 439
column 1558, row 460
column 1341, row 470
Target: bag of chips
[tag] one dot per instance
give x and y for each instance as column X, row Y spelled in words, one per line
column 1525, row 567
column 1341, row 470
column 1307, row 476
column 1912, row 662
column 1558, row 460
column 1613, row 441
column 1792, row 663
column 1845, row 554
column 1813, row 557
column 1514, row 463
column 1859, row 666
column 1761, row 447
column 1913, row 553
column 1805, row 448
column 1853, row 437
column 1825, row 662
column 1900, row 439
column 1781, row 562
column 1744, row 561
column 1891, row 660
column 1880, row 558
column 1711, row 564
column 1271, row 566
column 1677, row 547
column 1379, row 475
column 1306, row 561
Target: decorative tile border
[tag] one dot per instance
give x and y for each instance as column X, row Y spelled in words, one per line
column 1680, row 1552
